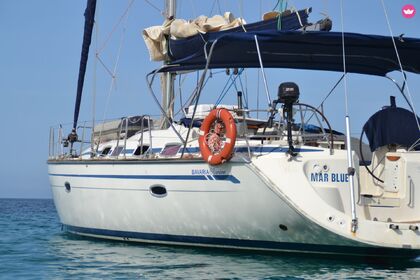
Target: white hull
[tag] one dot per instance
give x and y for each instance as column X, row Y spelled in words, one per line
column 234, row 205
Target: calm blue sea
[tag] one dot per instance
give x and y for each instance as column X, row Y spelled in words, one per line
column 32, row 246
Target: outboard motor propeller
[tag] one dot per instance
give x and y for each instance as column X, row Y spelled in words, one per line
column 288, row 94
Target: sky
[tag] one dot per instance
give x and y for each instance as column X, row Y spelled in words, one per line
column 40, row 53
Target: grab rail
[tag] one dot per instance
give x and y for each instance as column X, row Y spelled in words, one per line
column 141, row 140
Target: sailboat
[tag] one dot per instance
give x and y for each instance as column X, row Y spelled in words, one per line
column 219, row 177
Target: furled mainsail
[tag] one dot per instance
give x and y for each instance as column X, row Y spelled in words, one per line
column 87, row 38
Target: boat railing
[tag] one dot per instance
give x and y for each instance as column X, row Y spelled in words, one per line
column 123, row 136
column 83, row 141
column 60, row 147
column 304, row 116
column 148, row 152
column 124, row 124
column 52, row 144
column 90, row 138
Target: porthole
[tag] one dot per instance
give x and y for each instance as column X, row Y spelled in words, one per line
column 67, row 186
column 158, row 191
column 283, row 227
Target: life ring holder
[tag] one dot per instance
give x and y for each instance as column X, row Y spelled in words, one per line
column 209, row 140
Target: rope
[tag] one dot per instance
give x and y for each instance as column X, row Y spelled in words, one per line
column 400, row 64
column 298, row 16
column 282, row 6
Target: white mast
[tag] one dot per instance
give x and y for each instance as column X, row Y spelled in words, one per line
column 167, row 79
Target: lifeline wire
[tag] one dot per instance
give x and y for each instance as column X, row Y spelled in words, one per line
column 399, row 62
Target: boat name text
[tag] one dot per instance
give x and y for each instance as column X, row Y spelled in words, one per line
column 207, row 172
column 329, row 177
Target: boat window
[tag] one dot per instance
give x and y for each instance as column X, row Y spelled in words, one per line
column 105, row 151
column 170, row 150
column 117, row 151
column 158, row 190
column 141, row 150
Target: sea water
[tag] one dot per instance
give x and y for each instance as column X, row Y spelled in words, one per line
column 33, row 246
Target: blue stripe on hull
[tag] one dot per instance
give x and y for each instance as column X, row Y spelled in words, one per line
column 230, row 178
column 257, row 150
column 248, row 244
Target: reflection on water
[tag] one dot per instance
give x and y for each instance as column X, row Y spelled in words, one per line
column 33, row 246
column 112, row 259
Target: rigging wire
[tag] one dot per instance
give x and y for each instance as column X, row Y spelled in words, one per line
column 350, row 169
column 193, row 94
column 98, row 58
column 192, row 97
column 400, row 64
column 194, row 10
column 326, row 97
column 116, row 25
column 258, row 94
column 113, row 74
column 218, row 6
column 181, row 79
column 212, row 7
column 344, row 61
column 232, row 82
column 275, row 7
column 325, row 7
column 244, row 90
column 241, row 8
column 95, row 68
column 241, row 14
column 258, row 77
column 161, row 12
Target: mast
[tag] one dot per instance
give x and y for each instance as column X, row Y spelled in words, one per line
column 168, row 79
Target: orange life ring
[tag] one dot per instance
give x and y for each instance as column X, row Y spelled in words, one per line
column 212, row 148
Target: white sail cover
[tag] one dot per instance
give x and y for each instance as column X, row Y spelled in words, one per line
column 156, row 42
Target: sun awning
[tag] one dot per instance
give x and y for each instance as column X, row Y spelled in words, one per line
column 316, row 50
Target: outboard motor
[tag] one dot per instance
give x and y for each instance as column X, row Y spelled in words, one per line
column 288, row 94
